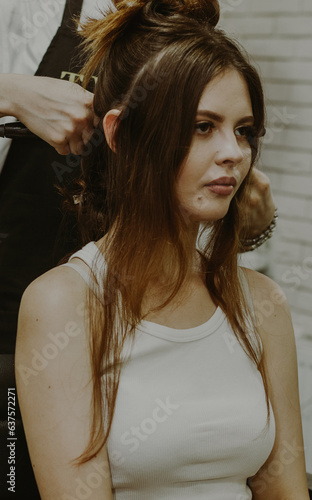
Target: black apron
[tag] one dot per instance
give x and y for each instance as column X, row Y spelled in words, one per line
column 30, row 205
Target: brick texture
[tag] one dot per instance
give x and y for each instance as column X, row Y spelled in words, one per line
column 278, row 36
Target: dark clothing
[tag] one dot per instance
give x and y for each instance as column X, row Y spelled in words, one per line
column 31, row 238
column 32, row 241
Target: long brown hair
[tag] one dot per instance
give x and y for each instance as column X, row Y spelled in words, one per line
column 153, row 60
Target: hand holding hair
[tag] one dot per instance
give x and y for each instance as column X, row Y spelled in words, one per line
column 59, row 112
column 260, row 207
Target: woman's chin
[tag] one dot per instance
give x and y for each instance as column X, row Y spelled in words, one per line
column 208, row 216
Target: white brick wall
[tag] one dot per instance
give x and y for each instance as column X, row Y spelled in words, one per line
column 278, row 35
column 304, row 349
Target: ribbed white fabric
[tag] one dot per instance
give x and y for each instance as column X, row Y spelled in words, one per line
column 190, row 418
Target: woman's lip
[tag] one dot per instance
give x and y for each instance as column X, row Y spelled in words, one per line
column 221, row 189
column 223, row 181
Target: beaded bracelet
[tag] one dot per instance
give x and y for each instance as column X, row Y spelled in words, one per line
column 251, row 244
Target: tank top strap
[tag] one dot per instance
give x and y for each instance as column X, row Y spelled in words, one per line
column 251, row 319
column 93, row 258
column 244, row 284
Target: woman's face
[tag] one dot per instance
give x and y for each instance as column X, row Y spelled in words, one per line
column 220, row 155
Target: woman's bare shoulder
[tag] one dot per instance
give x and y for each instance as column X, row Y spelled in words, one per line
column 62, row 285
column 271, row 309
column 259, row 281
column 57, row 283
column 264, row 290
column 52, row 301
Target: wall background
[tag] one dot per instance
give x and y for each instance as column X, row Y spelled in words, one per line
column 278, row 36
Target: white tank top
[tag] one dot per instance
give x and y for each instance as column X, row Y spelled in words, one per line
column 190, row 418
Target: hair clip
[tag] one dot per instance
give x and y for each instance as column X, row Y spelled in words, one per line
column 78, row 199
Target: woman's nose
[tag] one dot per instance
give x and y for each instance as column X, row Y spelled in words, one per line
column 228, row 150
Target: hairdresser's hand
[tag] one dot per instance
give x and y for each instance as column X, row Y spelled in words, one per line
column 259, row 211
column 59, row 112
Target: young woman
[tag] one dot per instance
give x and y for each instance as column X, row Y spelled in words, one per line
column 151, row 366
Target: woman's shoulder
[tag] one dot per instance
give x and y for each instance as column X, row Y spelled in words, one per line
column 271, row 309
column 61, row 293
column 60, row 286
column 54, row 302
column 263, row 287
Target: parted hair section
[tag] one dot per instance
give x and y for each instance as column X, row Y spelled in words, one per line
column 153, row 60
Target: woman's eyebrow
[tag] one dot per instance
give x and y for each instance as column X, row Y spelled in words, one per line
column 219, row 118
column 210, row 114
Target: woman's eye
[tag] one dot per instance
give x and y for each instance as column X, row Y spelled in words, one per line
column 248, row 132
column 204, row 128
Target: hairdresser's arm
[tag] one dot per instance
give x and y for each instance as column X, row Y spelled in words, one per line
column 260, row 207
column 54, row 389
column 283, row 476
column 58, row 111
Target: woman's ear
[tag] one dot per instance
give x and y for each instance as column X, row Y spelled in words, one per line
column 110, row 122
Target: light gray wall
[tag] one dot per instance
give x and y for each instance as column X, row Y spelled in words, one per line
column 278, row 35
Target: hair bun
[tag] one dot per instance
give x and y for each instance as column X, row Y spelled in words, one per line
column 201, row 10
